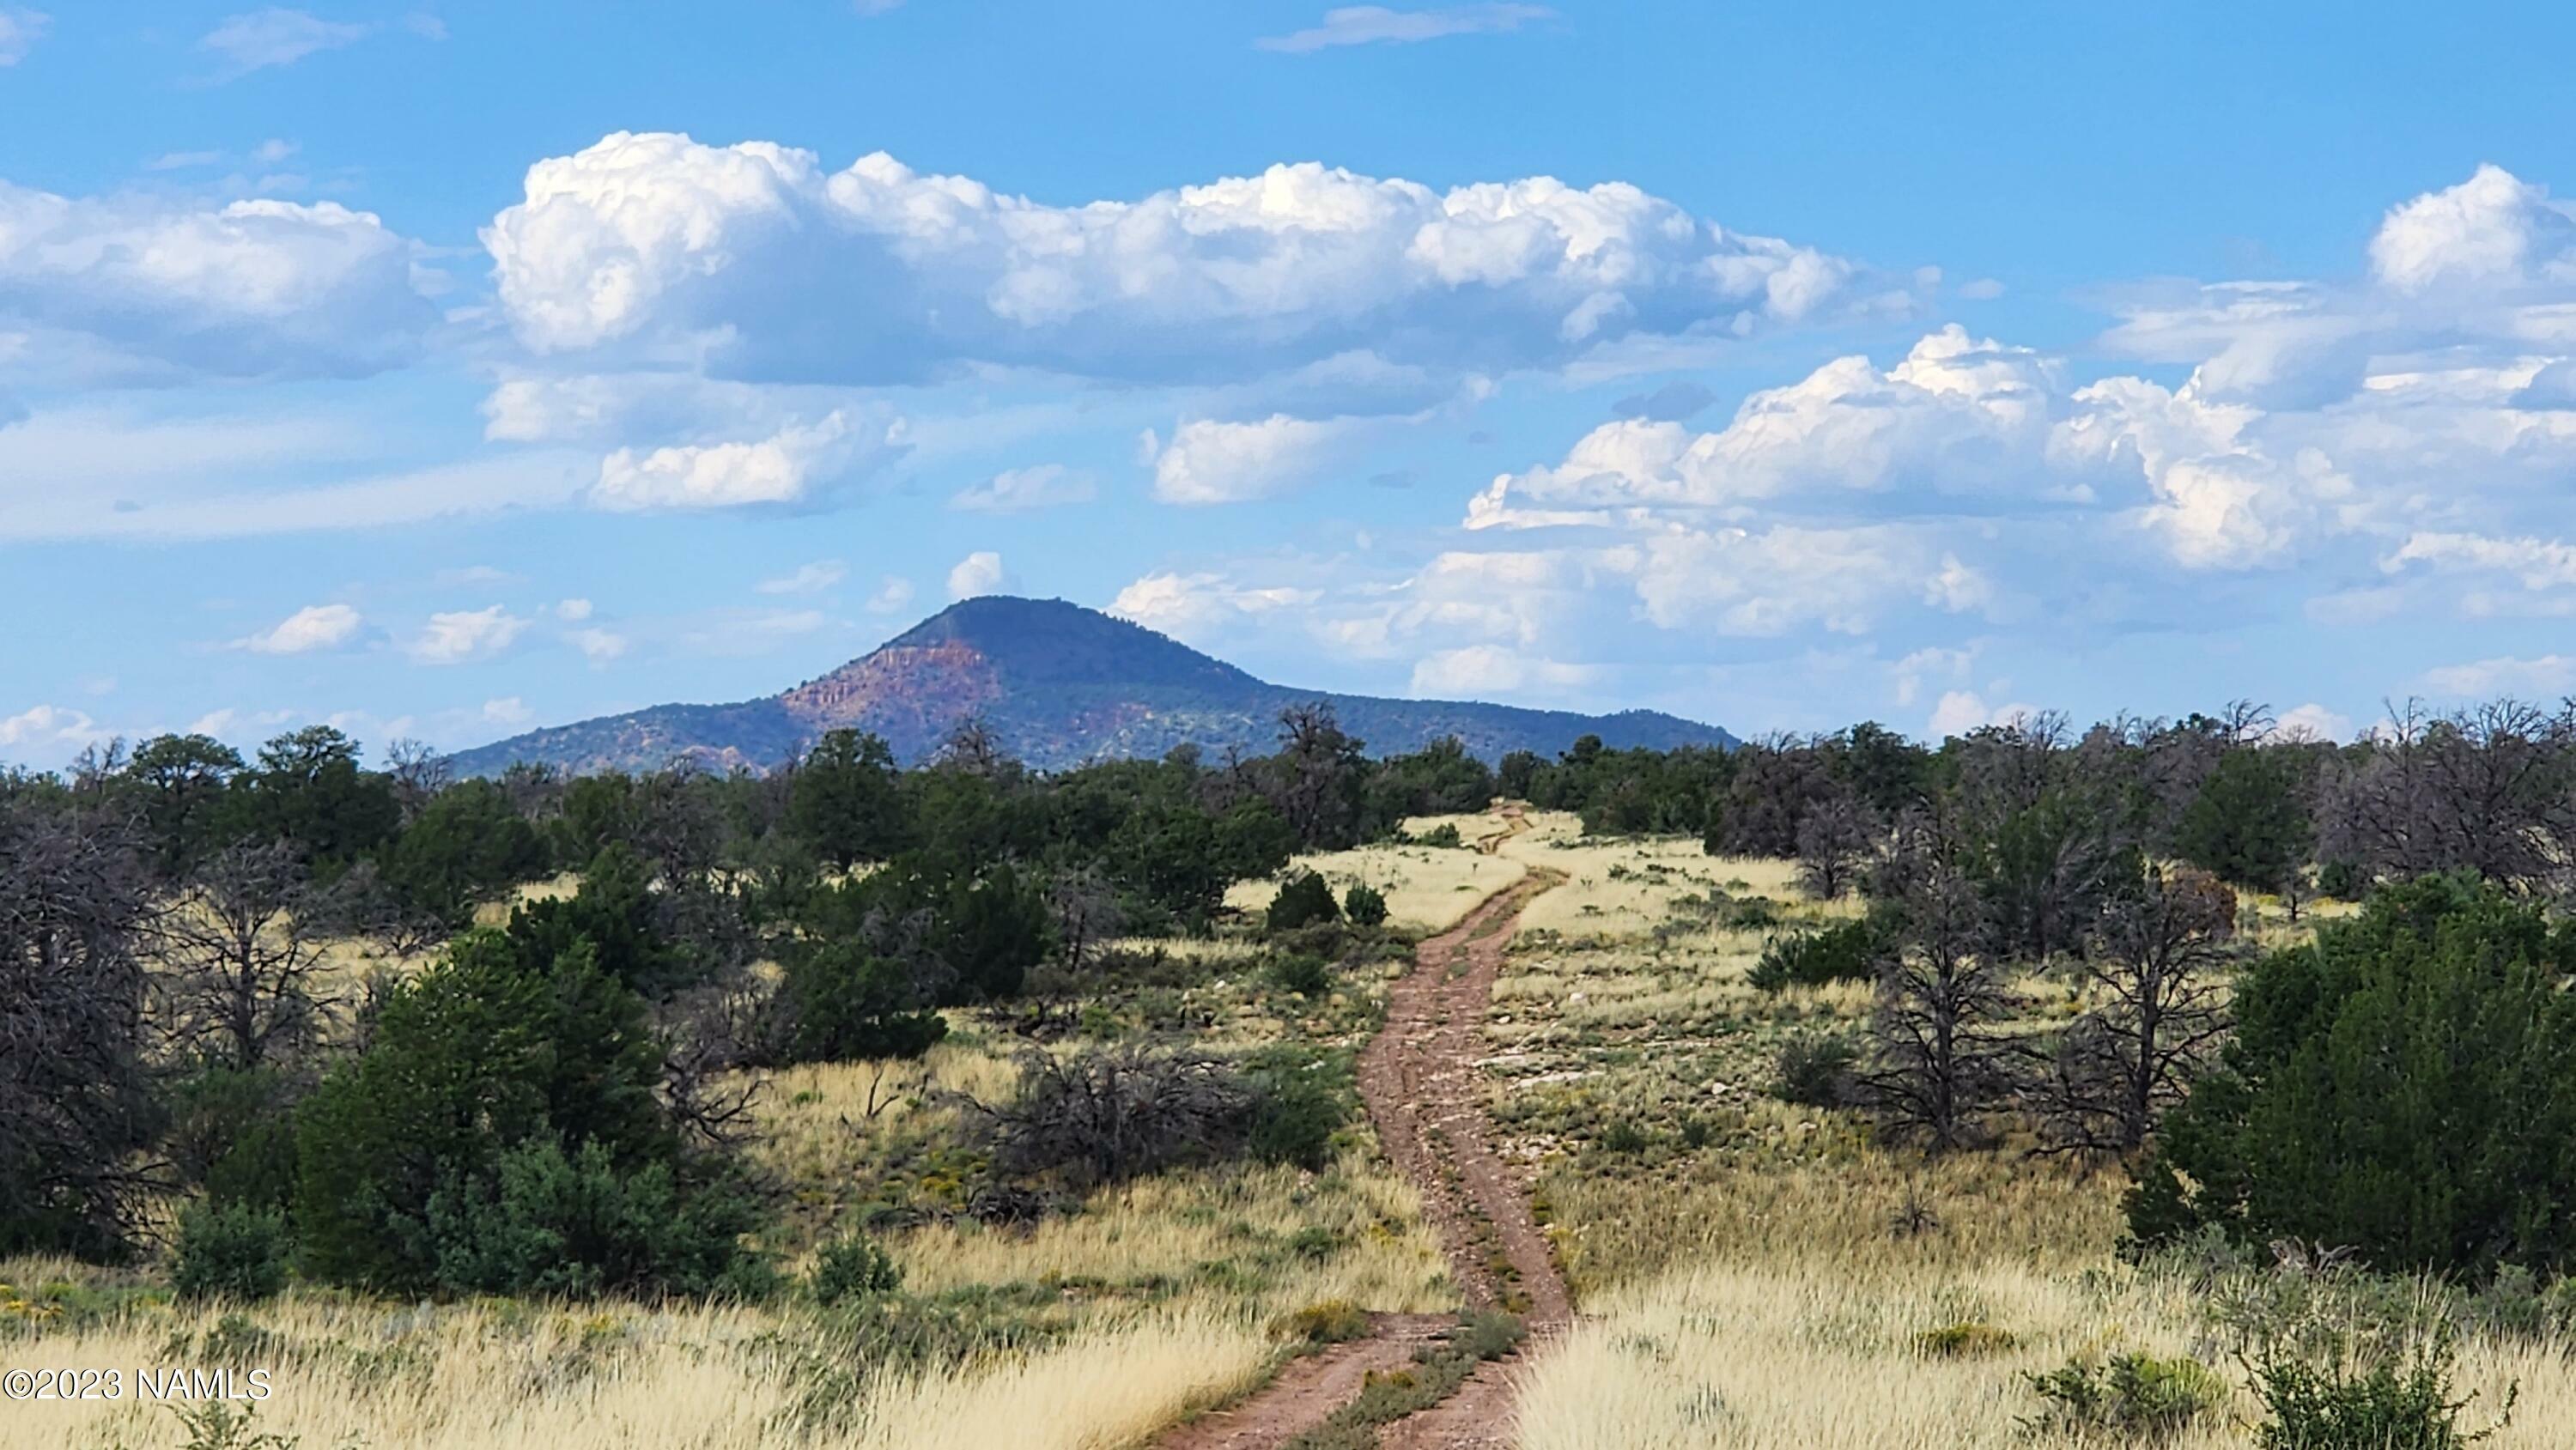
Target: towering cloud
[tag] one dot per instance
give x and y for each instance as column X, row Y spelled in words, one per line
column 770, row 267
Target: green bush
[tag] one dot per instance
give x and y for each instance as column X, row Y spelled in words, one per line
column 1847, row 952
column 1303, row 899
column 1302, row 973
column 853, row 1268
column 1624, row 1137
column 230, row 1251
column 219, row 1425
column 574, row 1225
column 2343, row 880
column 469, row 843
column 1329, row 1322
column 1816, row 1070
column 503, row 1131
column 2405, row 1085
column 2384, row 1407
column 231, row 1132
column 839, row 1002
column 1296, row 1111
column 2134, row 1393
column 616, row 915
column 1741, row 913
column 1365, row 905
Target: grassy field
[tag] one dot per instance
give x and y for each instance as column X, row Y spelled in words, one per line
column 1758, row 1274
column 506, row 1375
column 1750, row 1273
column 1428, row 888
column 1094, row 1327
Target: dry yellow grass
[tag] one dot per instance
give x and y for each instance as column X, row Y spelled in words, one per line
column 1227, row 1239
column 1364, row 1239
column 508, row 1377
column 1428, row 888
column 1763, row 1289
column 557, row 888
column 1627, row 888
column 815, row 1122
column 1808, row 1352
column 1613, row 888
column 1808, row 1191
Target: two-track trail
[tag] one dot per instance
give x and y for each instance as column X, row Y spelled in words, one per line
column 1418, row 1078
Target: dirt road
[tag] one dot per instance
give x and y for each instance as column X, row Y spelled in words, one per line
column 1418, row 1078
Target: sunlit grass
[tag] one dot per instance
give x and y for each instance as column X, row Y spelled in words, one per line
column 505, row 1376
column 1810, row 1351
column 1428, row 888
column 1265, row 1240
column 1751, row 1273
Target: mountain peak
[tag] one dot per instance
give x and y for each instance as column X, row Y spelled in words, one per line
column 1056, row 642
column 1059, row 685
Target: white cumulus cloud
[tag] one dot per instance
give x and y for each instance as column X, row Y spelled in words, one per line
column 893, row 596
column 769, row 266
column 1198, row 607
column 461, row 636
column 48, row 725
column 598, row 645
column 2537, row 563
column 2493, row 228
column 2505, row 675
column 800, row 464
column 1955, row 413
column 1483, row 671
column 170, row 289
column 811, row 578
column 319, row 627
column 1209, row 462
column 1960, row 712
column 978, row 573
column 2313, row 722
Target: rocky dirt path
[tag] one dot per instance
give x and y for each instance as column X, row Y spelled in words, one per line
column 1418, row 1078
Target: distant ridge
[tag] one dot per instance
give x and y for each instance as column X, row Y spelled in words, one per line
column 1059, row 685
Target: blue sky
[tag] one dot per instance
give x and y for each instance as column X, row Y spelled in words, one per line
column 447, row 369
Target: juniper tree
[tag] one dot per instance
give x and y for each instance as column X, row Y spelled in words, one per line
column 2401, row 1085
